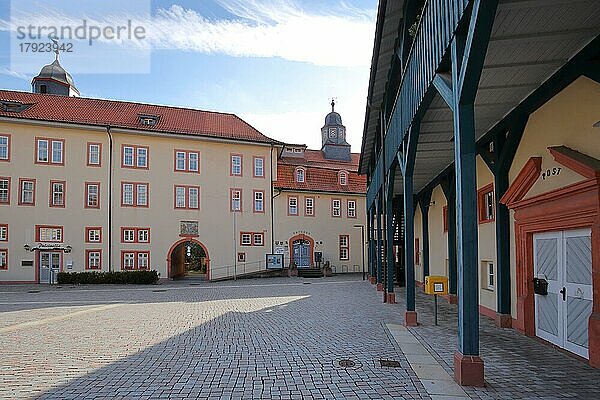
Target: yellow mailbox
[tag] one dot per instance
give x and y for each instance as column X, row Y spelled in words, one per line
column 436, row 285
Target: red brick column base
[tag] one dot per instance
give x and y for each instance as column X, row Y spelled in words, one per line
column 452, row 299
column 391, row 298
column 410, row 318
column 468, row 370
column 380, row 287
column 373, row 280
column 503, row 320
column 594, row 340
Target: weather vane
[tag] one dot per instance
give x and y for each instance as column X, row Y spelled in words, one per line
column 332, row 104
column 56, row 46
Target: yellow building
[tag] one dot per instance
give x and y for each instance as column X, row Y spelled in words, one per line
column 88, row 184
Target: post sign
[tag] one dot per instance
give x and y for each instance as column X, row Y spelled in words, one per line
column 436, row 285
column 274, row 261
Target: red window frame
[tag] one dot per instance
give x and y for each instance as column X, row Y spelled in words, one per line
column 135, row 156
column 136, row 234
column 50, row 141
column 262, row 235
column 38, row 236
column 186, row 197
column 242, row 234
column 4, row 226
column 8, row 136
column 186, row 161
column 254, row 201
column 348, row 208
column 87, row 234
column 333, row 208
column 87, row 259
column 51, row 194
column 481, row 206
column 7, row 202
column 346, row 247
column 241, row 156
column 345, row 173
column 135, row 194
column 303, row 174
column 254, row 158
column 21, row 180
column 135, row 259
column 231, row 191
column 5, row 267
column 288, row 206
column 88, row 163
column 86, row 198
column 306, row 214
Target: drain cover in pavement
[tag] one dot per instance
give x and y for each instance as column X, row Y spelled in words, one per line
column 33, row 291
column 390, row 363
column 159, row 290
column 346, row 363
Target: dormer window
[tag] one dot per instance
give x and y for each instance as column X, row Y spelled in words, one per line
column 343, row 178
column 13, row 106
column 148, row 120
column 300, row 175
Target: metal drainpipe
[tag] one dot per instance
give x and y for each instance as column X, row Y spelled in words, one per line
column 110, row 189
column 272, row 202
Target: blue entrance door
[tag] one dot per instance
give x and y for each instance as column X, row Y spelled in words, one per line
column 301, row 250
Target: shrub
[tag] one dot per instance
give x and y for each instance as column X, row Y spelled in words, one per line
column 116, row 277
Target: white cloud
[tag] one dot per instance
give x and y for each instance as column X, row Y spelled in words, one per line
column 14, row 74
column 338, row 36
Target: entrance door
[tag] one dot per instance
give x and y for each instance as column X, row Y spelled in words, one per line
column 301, row 250
column 49, row 260
column 564, row 259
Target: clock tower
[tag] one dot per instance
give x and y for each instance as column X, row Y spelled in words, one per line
column 333, row 137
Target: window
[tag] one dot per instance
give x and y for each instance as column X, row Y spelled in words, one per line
column 487, row 275
column 236, row 199
column 252, row 238
column 309, row 206
column 292, row 205
column 128, row 235
column 193, row 164
column 258, row 239
column 143, row 235
column 4, row 190
column 3, row 258
column 259, row 201
column 3, row 232
column 148, row 120
column 94, row 259
column 135, row 260
column 92, row 195
column 485, row 203
column 246, row 239
column 187, row 161
column 49, row 151
column 344, row 248
column 57, row 193
column 259, row 167
column 94, row 154
column 351, row 208
column 93, row 234
column 134, row 194
column 236, row 165
column 27, row 195
column 49, row 233
column 134, row 156
column 187, row 197
column 4, row 148
column 180, row 160
column 43, row 89
column 241, row 257
column 300, row 174
column 336, row 208
column 343, row 178
column 445, row 218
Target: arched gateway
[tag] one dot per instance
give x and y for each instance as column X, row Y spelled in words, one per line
column 188, row 257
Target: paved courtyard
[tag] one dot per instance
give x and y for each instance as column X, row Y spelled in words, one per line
column 275, row 338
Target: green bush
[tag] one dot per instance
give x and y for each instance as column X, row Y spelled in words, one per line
column 117, row 277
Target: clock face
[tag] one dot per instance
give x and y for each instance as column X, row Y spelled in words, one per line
column 332, row 132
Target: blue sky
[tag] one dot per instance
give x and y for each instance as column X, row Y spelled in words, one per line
column 275, row 63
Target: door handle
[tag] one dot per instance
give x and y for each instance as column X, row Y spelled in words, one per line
column 564, row 293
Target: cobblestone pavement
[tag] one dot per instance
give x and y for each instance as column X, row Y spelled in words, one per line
column 275, row 338
column 516, row 366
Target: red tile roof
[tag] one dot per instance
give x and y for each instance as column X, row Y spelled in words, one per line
column 315, row 158
column 123, row 114
column 321, row 174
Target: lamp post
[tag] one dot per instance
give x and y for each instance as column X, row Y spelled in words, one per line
column 362, row 248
